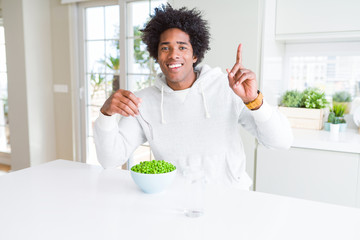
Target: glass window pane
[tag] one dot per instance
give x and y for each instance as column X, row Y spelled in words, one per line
column 96, row 88
column 95, row 23
column 100, row 87
column 93, row 114
column 2, row 56
column 156, row 3
column 138, row 82
column 329, row 73
column 137, row 15
column 5, row 138
column 2, row 35
column 112, row 22
column 3, row 82
column 3, row 68
column 91, row 158
column 113, row 83
column 95, row 56
column 138, row 57
column 112, row 57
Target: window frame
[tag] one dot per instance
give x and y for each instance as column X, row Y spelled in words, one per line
column 79, row 70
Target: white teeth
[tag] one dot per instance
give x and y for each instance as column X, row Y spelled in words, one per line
column 174, row 65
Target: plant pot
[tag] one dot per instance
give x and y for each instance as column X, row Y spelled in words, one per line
column 342, row 127
column 304, row 117
column 334, row 128
column 326, row 126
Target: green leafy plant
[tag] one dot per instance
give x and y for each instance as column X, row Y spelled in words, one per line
column 291, row 98
column 314, row 98
column 309, row 98
column 342, row 96
column 337, row 114
column 331, row 117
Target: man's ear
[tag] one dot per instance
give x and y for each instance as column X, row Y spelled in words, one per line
column 195, row 59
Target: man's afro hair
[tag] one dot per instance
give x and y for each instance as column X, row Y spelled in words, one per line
column 189, row 21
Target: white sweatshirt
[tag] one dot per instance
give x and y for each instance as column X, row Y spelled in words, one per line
column 200, row 124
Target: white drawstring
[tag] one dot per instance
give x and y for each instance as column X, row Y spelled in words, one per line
column 162, row 105
column 204, row 101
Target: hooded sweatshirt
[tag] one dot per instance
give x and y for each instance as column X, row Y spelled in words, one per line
column 198, row 125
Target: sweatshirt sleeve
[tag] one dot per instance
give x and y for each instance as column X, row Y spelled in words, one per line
column 268, row 125
column 116, row 138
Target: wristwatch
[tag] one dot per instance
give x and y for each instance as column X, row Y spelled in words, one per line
column 255, row 104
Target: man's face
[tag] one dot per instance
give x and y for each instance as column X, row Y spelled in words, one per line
column 175, row 57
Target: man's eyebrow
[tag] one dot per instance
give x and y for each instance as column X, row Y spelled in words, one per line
column 178, row 42
column 183, row 43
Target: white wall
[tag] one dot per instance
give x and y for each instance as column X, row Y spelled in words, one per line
column 60, row 49
column 17, row 94
column 31, row 107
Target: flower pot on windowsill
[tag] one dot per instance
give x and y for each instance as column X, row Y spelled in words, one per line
column 306, row 118
column 326, row 126
column 342, row 127
column 334, row 128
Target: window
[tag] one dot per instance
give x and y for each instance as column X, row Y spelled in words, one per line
column 4, row 123
column 142, row 69
column 331, row 67
column 113, row 57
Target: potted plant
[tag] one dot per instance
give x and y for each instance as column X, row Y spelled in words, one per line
column 344, row 98
column 292, row 98
column 304, row 109
column 336, row 120
column 339, row 110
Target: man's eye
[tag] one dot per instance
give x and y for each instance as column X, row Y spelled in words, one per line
column 182, row 48
column 164, row 48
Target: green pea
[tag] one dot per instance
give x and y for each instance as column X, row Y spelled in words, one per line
column 153, row 167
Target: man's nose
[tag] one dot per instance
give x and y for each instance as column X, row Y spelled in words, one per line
column 174, row 53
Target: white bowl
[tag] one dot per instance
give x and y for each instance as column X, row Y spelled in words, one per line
column 153, row 183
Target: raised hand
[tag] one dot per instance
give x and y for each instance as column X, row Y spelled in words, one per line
column 123, row 102
column 241, row 80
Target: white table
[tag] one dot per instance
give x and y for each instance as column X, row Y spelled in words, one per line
column 69, row 200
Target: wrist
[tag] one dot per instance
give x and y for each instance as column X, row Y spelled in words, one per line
column 256, row 103
column 103, row 112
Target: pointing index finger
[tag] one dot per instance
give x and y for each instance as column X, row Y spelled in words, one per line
column 239, row 54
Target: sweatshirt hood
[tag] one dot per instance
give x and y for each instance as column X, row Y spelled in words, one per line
column 205, row 73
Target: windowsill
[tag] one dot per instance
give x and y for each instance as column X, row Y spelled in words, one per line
column 348, row 141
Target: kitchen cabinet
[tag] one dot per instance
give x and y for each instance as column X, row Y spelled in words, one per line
column 313, row 174
column 308, row 19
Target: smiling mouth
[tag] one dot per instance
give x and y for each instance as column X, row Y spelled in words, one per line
column 172, row 66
